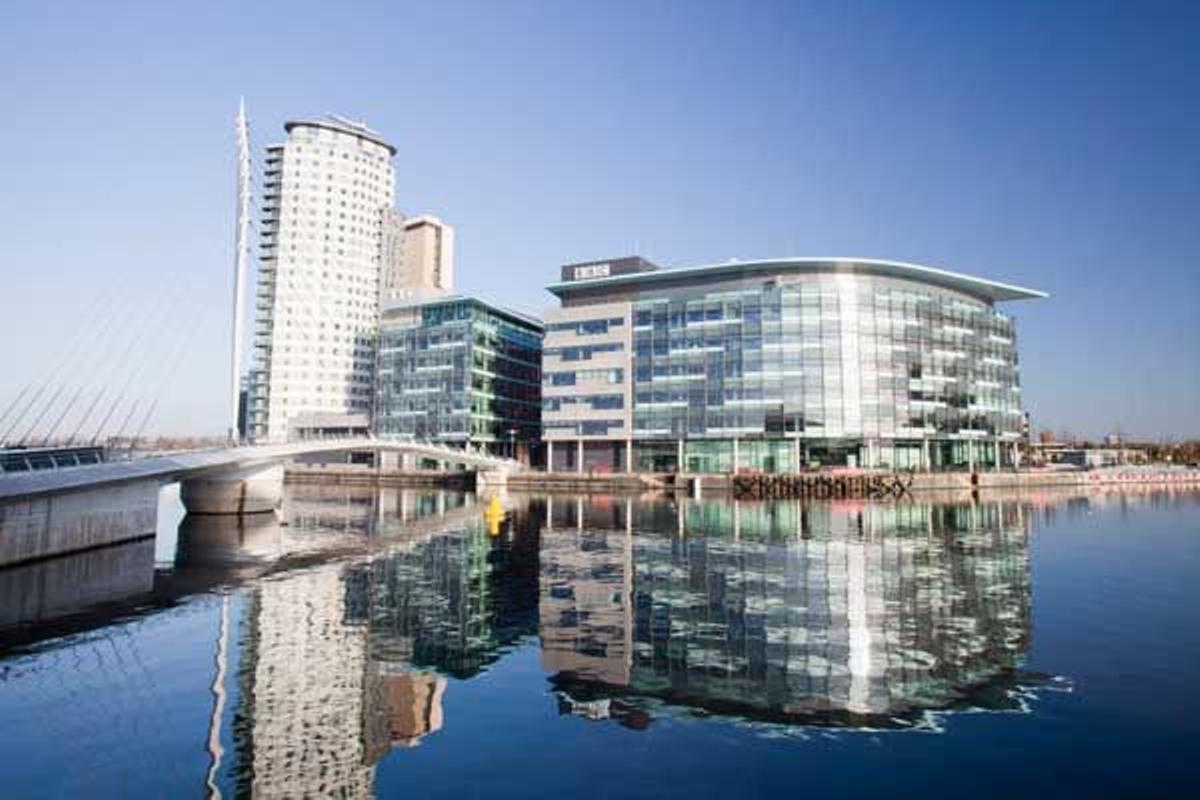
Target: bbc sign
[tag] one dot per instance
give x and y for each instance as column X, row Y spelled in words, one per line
column 592, row 271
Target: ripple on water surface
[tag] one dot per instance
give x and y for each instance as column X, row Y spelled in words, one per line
column 377, row 641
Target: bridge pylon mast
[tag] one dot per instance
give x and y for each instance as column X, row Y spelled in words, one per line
column 240, row 265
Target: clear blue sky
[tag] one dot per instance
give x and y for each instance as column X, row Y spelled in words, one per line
column 1054, row 145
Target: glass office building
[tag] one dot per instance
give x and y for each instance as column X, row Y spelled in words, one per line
column 780, row 365
column 460, row 371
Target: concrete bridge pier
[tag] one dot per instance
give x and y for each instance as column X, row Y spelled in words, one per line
column 51, row 525
column 248, row 490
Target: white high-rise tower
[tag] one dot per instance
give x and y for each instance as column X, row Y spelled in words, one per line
column 326, row 191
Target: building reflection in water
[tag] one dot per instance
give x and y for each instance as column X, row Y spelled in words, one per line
column 843, row 614
column 325, row 690
column 345, row 659
column 360, row 607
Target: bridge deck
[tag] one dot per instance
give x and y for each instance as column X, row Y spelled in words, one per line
column 181, row 466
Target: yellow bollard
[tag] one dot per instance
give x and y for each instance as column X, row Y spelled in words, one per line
column 493, row 515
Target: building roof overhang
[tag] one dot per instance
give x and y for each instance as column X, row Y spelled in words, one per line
column 520, row 317
column 990, row 291
column 341, row 126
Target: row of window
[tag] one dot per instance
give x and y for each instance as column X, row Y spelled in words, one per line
column 607, row 402
column 584, row 352
column 586, row 327
column 591, row 427
column 571, row 377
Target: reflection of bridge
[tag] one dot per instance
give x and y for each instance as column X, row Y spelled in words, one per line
column 48, row 512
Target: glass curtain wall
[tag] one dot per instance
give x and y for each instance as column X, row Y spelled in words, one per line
column 459, row 372
column 862, row 369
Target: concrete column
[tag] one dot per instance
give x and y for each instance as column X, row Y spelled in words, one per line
column 549, row 455
column 388, row 461
column 926, row 456
column 629, row 455
column 996, row 455
column 679, row 465
column 1016, row 456
column 579, row 457
column 736, row 455
column 796, row 465
column 249, row 490
column 970, row 455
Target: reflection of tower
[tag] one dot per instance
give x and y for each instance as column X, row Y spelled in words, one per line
column 402, row 708
column 304, row 689
column 328, row 687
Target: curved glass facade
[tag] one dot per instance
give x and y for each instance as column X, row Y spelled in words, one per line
column 782, row 369
column 826, row 358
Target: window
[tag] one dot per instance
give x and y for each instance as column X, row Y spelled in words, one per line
column 586, row 327
column 605, row 401
column 585, row 352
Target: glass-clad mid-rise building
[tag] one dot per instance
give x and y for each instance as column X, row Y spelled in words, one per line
column 780, row 365
column 461, row 371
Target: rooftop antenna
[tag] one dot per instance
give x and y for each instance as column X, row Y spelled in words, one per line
column 240, row 262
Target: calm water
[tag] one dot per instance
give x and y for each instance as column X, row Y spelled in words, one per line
column 379, row 642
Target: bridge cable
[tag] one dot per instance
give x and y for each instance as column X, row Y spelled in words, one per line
column 103, row 388
column 174, row 367
column 16, row 401
column 159, row 362
column 65, row 356
column 160, row 321
column 85, row 368
column 101, row 372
